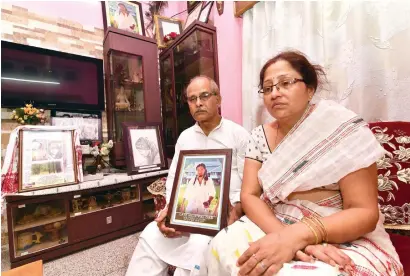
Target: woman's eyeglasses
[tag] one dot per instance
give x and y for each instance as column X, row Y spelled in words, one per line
column 203, row 97
column 283, row 85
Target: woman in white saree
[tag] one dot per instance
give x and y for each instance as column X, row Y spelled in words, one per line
column 309, row 189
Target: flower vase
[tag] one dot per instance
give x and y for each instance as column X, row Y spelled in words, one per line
column 99, row 163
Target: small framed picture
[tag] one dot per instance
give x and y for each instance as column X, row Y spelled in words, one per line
column 193, row 15
column 206, row 10
column 145, row 147
column 47, row 158
column 123, row 15
column 164, row 26
column 89, row 125
column 200, row 195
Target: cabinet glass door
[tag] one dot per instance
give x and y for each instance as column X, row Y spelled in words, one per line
column 127, row 86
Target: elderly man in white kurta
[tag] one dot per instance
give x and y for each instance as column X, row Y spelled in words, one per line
column 199, row 192
column 124, row 19
column 158, row 245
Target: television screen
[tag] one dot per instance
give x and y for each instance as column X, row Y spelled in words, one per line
column 50, row 79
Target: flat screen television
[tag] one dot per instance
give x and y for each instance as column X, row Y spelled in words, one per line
column 50, row 79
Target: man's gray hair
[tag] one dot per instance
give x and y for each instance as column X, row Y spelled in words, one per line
column 214, row 86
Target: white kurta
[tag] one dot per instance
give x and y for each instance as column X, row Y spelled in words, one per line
column 186, row 252
column 196, row 194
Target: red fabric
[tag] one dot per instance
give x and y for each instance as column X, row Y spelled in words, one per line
column 402, row 245
column 394, row 170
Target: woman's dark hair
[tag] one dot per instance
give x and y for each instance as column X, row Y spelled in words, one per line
column 313, row 75
column 205, row 174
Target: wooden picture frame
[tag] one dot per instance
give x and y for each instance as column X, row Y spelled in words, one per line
column 193, row 15
column 133, row 22
column 52, row 158
column 191, row 208
column 240, row 7
column 206, row 10
column 191, row 5
column 165, row 25
column 144, row 146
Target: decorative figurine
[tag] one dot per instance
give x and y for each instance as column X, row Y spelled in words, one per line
column 122, row 102
column 92, row 203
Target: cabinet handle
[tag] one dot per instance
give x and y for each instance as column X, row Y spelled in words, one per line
column 108, row 219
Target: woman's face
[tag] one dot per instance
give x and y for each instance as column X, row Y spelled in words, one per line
column 144, row 152
column 200, row 171
column 290, row 101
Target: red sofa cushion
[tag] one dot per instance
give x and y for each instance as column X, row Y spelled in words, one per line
column 394, row 172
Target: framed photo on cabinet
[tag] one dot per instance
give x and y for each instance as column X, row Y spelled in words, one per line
column 47, row 159
column 124, row 15
column 200, row 195
column 144, row 146
column 164, row 26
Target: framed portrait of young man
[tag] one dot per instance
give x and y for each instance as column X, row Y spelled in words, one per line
column 145, row 147
column 47, row 158
column 200, row 195
column 123, row 15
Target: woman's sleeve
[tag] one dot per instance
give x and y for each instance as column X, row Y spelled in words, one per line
column 253, row 151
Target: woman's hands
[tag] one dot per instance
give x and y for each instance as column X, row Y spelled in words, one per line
column 267, row 255
column 326, row 253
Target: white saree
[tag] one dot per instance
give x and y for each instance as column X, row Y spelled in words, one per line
column 328, row 143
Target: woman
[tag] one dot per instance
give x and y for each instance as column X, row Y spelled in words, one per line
column 148, row 153
column 310, row 180
column 199, row 193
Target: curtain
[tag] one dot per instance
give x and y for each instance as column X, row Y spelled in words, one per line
column 364, row 47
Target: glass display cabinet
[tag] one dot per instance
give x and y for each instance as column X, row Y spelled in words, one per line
column 193, row 53
column 131, row 85
column 38, row 226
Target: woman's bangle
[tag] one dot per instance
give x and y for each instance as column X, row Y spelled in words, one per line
column 311, row 229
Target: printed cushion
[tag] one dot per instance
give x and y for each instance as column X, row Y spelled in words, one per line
column 394, row 173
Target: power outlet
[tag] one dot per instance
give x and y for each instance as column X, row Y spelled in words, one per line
column 109, row 220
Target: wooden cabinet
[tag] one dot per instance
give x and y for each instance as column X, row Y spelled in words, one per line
column 193, row 53
column 131, row 85
column 49, row 226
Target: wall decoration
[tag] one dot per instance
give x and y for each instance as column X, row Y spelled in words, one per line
column 200, row 194
column 220, row 7
column 124, row 15
column 242, row 6
column 166, row 26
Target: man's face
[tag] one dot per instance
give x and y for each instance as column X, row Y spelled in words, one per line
column 123, row 9
column 205, row 109
column 200, row 171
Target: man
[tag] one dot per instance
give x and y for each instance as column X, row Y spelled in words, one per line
column 124, row 19
column 159, row 245
column 199, row 192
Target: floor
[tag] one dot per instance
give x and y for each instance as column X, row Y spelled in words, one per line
column 109, row 259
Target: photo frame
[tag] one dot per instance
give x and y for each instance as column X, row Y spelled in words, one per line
column 206, row 10
column 47, row 158
column 123, row 15
column 191, row 5
column 193, row 15
column 200, row 194
column 165, row 25
column 145, row 145
column 89, row 125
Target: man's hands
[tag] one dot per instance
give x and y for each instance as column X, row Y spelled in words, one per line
column 235, row 213
column 166, row 231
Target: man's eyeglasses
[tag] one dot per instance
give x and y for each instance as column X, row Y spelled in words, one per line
column 203, row 97
column 281, row 85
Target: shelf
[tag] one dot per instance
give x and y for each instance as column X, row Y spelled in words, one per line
column 41, row 246
column 84, row 212
column 38, row 223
